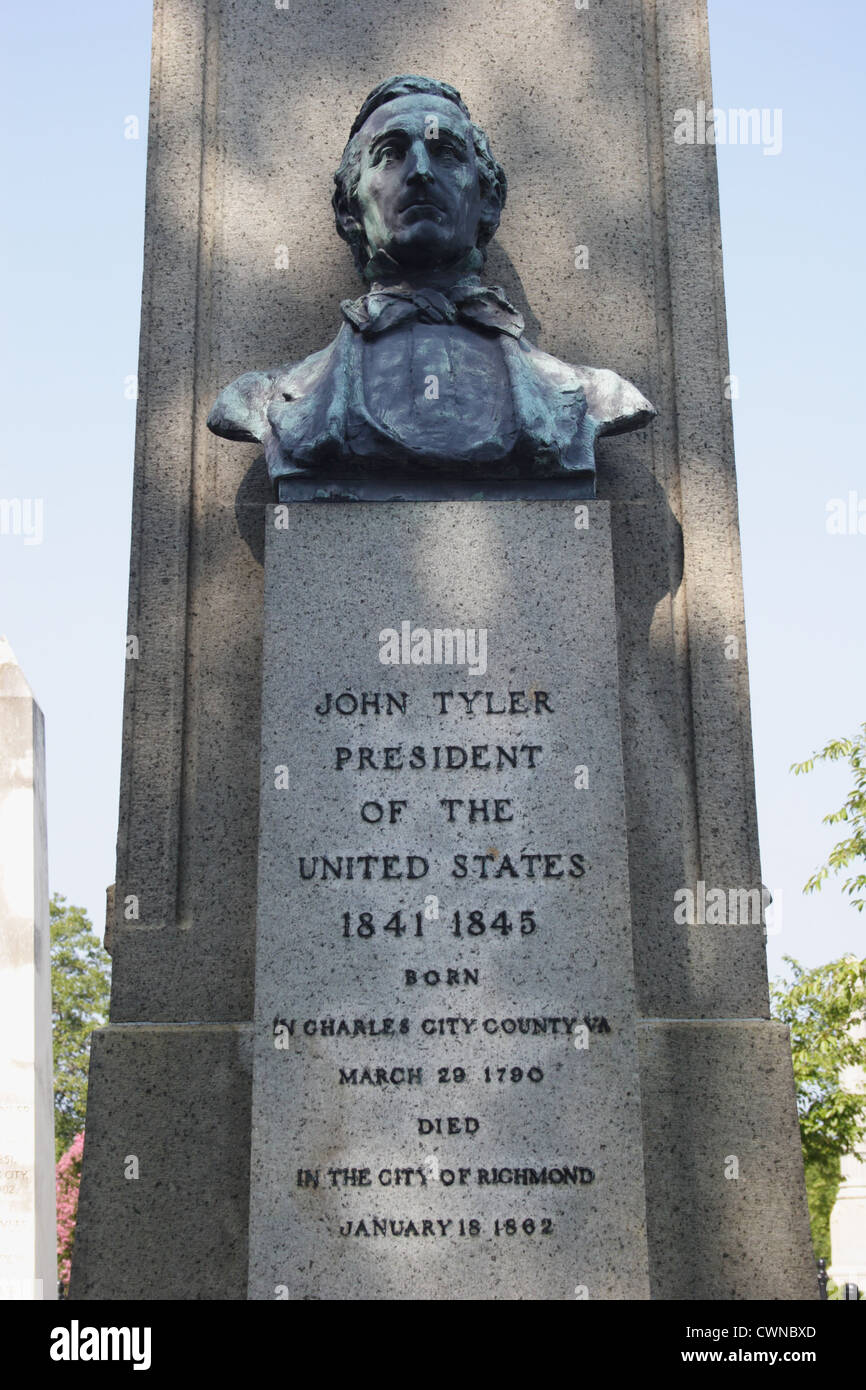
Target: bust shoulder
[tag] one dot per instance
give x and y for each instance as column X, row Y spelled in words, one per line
column 240, row 412
column 612, row 402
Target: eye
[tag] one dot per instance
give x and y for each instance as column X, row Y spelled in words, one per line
column 444, row 149
column 387, row 152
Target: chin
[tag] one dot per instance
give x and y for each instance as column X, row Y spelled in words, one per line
column 424, row 252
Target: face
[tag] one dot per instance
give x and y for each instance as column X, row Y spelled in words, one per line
column 418, row 192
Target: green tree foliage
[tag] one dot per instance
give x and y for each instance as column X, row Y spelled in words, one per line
column 80, row 975
column 821, row 1007
column 822, row 1185
column 852, row 813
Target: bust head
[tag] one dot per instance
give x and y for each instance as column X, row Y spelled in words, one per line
column 418, row 197
column 418, row 185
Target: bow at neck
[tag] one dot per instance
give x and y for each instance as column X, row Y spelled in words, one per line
column 468, row 301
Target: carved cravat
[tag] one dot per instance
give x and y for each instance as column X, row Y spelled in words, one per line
column 420, row 381
column 468, row 301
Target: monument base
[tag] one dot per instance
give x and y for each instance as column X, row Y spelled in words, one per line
column 176, row 1098
column 447, row 1091
column 578, row 485
column 446, row 1102
column 728, row 1218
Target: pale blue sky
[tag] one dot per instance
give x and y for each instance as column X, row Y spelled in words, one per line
column 792, row 226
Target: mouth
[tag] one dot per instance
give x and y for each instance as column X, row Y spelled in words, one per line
column 422, row 212
column 420, row 205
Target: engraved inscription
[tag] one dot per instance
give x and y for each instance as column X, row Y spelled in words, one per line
column 445, row 1046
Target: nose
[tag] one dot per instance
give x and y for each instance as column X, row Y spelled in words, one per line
column 419, row 166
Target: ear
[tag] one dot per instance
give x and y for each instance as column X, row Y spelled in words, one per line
column 349, row 224
column 491, row 210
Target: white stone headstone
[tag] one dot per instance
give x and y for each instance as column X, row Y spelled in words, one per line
column 28, row 1220
column 848, row 1218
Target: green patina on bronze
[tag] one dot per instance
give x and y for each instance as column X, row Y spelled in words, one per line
column 430, row 387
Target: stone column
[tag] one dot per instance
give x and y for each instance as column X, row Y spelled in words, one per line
column 28, row 1215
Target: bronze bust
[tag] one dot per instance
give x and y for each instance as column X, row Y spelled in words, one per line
column 430, row 375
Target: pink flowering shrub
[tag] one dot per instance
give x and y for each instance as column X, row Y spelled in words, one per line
column 68, row 1176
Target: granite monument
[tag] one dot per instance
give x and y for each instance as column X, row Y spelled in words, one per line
column 442, row 695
